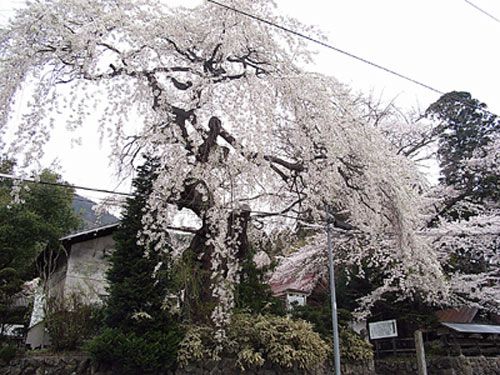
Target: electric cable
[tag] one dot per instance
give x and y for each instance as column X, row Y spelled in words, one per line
column 482, row 11
column 346, row 53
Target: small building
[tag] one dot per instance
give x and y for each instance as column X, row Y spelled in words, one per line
column 292, row 297
column 461, row 333
column 77, row 268
column 302, row 278
column 296, row 276
column 292, row 291
column 12, row 325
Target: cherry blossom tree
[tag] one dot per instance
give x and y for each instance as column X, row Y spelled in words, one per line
column 245, row 137
column 461, row 214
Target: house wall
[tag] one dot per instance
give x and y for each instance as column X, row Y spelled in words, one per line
column 57, row 279
column 84, row 274
column 87, row 266
column 300, row 299
column 38, row 337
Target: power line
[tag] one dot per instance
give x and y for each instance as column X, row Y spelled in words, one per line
column 69, row 186
column 329, row 46
column 349, row 54
column 11, row 177
column 481, row 10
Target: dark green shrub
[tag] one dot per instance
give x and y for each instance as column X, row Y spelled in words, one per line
column 435, row 348
column 135, row 283
column 71, row 322
column 253, row 294
column 7, row 353
column 130, row 353
column 353, row 347
column 141, row 333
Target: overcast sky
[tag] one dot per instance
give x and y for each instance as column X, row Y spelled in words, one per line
column 447, row 44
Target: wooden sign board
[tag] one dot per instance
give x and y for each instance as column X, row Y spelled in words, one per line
column 383, row 329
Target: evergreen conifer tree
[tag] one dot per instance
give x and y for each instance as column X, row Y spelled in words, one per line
column 140, row 335
column 135, row 288
column 467, row 128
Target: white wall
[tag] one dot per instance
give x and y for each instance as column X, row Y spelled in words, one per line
column 87, row 266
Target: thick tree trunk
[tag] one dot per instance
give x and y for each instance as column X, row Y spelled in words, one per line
column 198, row 298
column 199, row 301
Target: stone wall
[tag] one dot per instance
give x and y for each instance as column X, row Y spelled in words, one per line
column 227, row 367
column 74, row 364
column 80, row 364
column 441, row 366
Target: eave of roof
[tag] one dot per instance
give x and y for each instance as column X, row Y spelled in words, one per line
column 290, row 290
column 89, row 234
column 473, row 328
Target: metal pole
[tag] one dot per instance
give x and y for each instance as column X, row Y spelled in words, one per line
column 336, row 350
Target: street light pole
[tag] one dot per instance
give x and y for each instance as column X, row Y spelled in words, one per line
column 336, row 349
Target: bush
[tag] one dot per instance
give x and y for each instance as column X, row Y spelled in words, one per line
column 7, row 353
column 131, row 353
column 435, row 348
column 256, row 339
column 71, row 322
column 253, row 294
column 354, row 348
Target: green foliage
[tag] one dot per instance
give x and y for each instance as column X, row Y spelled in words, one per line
column 44, row 215
column 352, row 347
column 435, row 348
column 411, row 314
column 140, row 336
column 7, row 353
column 70, row 322
column 191, row 278
column 256, row 339
column 131, row 353
column 467, row 127
column 320, row 316
column 134, row 287
column 253, row 293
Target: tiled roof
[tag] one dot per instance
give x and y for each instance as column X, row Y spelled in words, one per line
column 304, row 284
column 460, row 315
column 300, row 270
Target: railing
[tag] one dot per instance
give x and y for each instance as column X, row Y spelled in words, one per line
column 450, row 344
column 470, row 345
column 394, row 347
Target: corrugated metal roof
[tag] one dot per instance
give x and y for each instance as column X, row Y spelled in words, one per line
column 473, row 328
column 461, row 315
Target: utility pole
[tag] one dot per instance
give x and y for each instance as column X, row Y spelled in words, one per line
column 336, row 348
